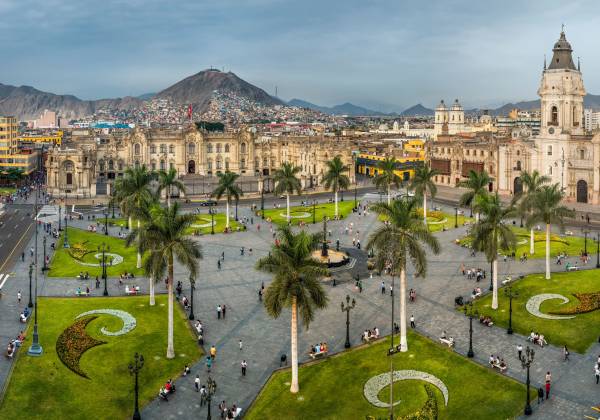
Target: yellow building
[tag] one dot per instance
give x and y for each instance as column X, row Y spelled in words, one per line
column 10, row 157
column 408, row 159
column 9, row 129
column 50, row 140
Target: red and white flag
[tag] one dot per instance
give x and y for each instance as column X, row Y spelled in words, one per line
column 190, row 111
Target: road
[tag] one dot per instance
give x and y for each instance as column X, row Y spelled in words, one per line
column 15, row 233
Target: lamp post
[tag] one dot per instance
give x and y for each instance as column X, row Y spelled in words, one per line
column 66, row 239
column 35, row 349
column 113, row 201
column 510, row 294
column 347, row 308
column 45, row 266
column 106, row 222
column 236, row 208
column 134, row 369
column 355, row 182
column 455, row 217
column 314, row 214
column 585, row 235
column 30, row 304
column 212, row 221
column 262, row 202
column 104, row 248
column 470, row 313
column 211, row 388
column 324, row 252
column 59, row 216
column 192, row 288
column 521, row 221
column 598, row 250
column 526, row 361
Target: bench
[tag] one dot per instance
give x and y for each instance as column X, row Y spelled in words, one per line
column 319, row 354
column 83, row 277
column 476, row 295
column 447, row 341
column 507, row 280
column 368, row 339
column 132, row 291
column 82, row 293
column 573, row 268
column 500, row 368
column 25, row 320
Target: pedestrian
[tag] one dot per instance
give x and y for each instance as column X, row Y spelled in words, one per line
column 31, row 252
column 213, row 352
column 208, row 363
column 218, row 311
column 224, row 310
column 566, row 353
column 391, row 290
column 19, row 296
column 260, row 293
column 242, row 251
column 383, row 288
column 23, row 256
column 223, row 256
column 548, row 381
column 203, row 395
column 197, row 383
column 244, row 366
column 597, row 373
column 519, row 351
column 241, row 345
column 97, row 282
column 219, row 264
column 540, row 395
column 412, row 321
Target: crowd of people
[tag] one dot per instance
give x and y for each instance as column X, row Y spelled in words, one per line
column 537, row 338
column 369, row 335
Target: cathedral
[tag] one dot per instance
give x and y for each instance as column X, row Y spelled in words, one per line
column 563, row 150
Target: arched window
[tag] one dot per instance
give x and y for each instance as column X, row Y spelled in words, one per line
column 137, row 149
column 554, row 116
column 227, row 148
column 218, row 147
column 120, row 165
column 209, row 148
column 153, row 148
column 518, row 152
column 172, row 149
column 101, row 165
column 219, row 163
column 191, row 148
column 575, row 123
column 243, row 148
column 265, row 162
column 111, row 165
column 227, row 164
column 549, row 150
column 162, row 165
column 163, row 148
column 256, row 163
column 549, row 170
column 582, row 154
column 243, row 163
column 209, row 164
column 518, row 165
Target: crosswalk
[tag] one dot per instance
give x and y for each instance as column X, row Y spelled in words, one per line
column 3, row 278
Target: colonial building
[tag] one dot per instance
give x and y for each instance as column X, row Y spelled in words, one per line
column 563, row 150
column 88, row 164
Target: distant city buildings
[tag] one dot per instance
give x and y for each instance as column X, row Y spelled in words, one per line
column 12, row 157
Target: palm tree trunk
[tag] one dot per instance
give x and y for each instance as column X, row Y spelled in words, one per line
column 294, row 388
column 403, row 342
column 547, row 251
column 287, row 197
column 336, row 203
column 531, row 243
column 129, row 223
column 389, row 188
column 151, row 287
column 477, row 217
column 227, row 214
column 170, row 349
column 139, row 256
column 168, row 191
column 495, row 284
column 425, row 207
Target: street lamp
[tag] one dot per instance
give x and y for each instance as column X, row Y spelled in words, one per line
column 211, row 388
column 134, row 369
column 324, row 252
column 35, row 349
column 455, row 217
column 355, row 182
column 113, row 201
column 59, row 216
column 236, row 208
column 470, row 313
column 30, row 304
column 314, row 214
column 104, row 249
column 526, row 361
column 510, row 294
column 598, row 250
column 192, row 288
column 262, row 202
column 212, row 221
column 66, row 239
column 585, row 234
column 106, row 222
column 45, row 266
column 347, row 308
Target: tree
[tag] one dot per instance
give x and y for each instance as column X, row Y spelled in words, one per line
column 167, row 180
column 296, row 284
column 532, row 182
column 477, row 184
column 286, row 181
column 335, row 178
column 165, row 240
column 135, row 194
column 491, row 235
column 386, row 177
column 546, row 208
column 397, row 242
column 423, row 183
column 228, row 188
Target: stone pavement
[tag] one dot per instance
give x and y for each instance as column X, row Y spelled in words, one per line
column 265, row 339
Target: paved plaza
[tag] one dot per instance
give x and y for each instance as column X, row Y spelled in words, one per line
column 237, row 284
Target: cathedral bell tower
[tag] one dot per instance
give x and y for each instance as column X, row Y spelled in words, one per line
column 561, row 93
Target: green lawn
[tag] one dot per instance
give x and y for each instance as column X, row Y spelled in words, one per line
column 438, row 220
column 7, row 190
column 333, row 388
column 63, row 264
column 577, row 333
column 572, row 245
column 305, row 213
column 201, row 219
column 44, row 388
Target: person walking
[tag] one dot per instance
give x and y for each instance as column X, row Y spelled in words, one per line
column 244, row 365
column 213, row 352
column 219, row 311
column 566, row 353
column 241, row 345
column 412, row 321
column 597, row 373
column 208, row 363
column 203, row 395
column 391, row 290
column 224, row 310
column 519, row 351
column 197, row 383
column 19, row 296
column 219, row 264
column 383, row 288
column 548, row 381
column 540, row 395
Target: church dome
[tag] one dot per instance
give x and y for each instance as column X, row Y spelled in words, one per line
column 456, row 106
column 441, row 106
column 561, row 57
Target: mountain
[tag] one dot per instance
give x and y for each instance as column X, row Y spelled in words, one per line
column 146, row 96
column 198, row 89
column 27, row 103
column 342, row 109
column 417, row 110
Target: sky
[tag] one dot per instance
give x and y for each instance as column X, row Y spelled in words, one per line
column 386, row 55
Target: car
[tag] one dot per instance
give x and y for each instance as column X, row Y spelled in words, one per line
column 208, row 203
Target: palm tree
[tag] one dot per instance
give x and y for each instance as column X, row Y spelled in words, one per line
column 167, row 180
column 164, row 238
column 134, row 191
column 478, row 186
column 228, row 188
column 386, row 177
column 286, row 181
column 491, row 235
column 546, row 208
column 335, row 178
column 296, row 284
column 532, row 182
column 397, row 242
column 423, row 183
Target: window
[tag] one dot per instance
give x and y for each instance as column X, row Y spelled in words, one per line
column 227, row 148
column 137, row 163
column 243, row 163
column 153, row 166
column 162, row 165
column 518, row 165
column 582, row 154
column 111, row 165
column 209, row 164
column 265, row 162
column 218, row 147
column 518, row 152
column 191, row 148
column 136, row 149
column 120, row 165
column 219, row 163
column 101, row 165
column 171, row 165
column 481, row 153
column 243, row 148
column 226, row 164
column 153, row 149
column 549, row 170
column 209, row 148
column 172, row 149
column 554, row 116
column 467, row 152
column 163, row 148
column 256, row 163
column 549, row 150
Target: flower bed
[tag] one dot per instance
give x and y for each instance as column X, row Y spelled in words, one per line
column 588, row 302
column 73, row 342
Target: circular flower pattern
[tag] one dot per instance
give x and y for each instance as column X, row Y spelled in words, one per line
column 203, row 225
column 299, row 215
column 116, row 260
column 129, row 322
column 534, row 302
